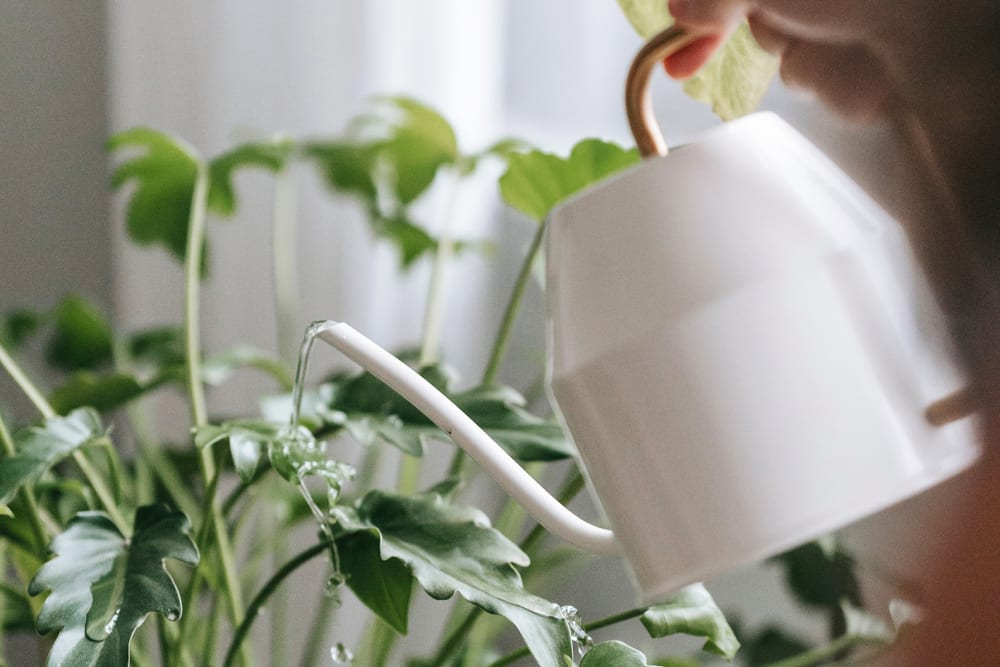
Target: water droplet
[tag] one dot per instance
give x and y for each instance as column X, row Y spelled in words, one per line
column 333, row 586
column 173, row 614
column 581, row 640
column 341, row 654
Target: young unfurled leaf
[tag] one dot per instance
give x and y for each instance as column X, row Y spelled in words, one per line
column 103, row 392
column 733, row 82
column 81, row 337
column 41, row 447
column 248, row 441
column 452, row 548
column 613, row 654
column 165, row 174
column 536, row 181
column 269, row 155
column 384, row 586
column 296, row 455
column 693, row 612
column 102, row 584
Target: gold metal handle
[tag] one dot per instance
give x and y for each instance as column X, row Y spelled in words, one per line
column 638, row 102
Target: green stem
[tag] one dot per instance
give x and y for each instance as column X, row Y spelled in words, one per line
column 513, row 305
column 42, row 405
column 196, row 390
column 408, row 479
column 286, row 287
column 434, row 308
column 265, row 592
column 505, row 330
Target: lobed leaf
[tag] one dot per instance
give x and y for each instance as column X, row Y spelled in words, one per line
column 248, row 441
column 269, row 155
column 535, row 182
column 41, row 447
column 733, row 81
column 451, row 548
column 692, row 611
column 102, row 584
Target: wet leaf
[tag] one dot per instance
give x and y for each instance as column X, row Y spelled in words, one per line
column 248, row 441
column 613, row 654
column 535, row 182
column 692, row 611
column 733, row 82
column 81, row 337
column 384, row 586
column 451, row 548
column 41, row 447
column 102, row 585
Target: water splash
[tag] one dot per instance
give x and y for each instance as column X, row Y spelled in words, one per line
column 313, row 330
column 581, row 640
column 341, row 654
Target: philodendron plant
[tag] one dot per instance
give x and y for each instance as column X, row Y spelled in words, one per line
column 96, row 542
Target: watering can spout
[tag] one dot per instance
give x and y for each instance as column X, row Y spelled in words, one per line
column 521, row 486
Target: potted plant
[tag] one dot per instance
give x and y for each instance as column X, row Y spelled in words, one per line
column 97, row 541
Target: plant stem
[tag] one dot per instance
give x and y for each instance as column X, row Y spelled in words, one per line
column 199, row 412
column 42, row 405
column 265, row 592
column 286, row 287
column 513, row 305
column 506, row 327
column 434, row 309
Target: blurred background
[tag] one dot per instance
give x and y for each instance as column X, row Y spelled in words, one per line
column 216, row 72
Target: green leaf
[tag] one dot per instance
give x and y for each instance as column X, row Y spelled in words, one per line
column 157, row 348
column 535, row 182
column 613, row 654
column 384, row 586
column 499, row 411
column 82, row 337
column 348, row 168
column 270, row 155
column 821, row 574
column 248, row 440
column 102, row 584
column 41, row 447
column 452, row 548
column 103, row 392
column 372, row 412
column 411, row 239
column 297, row 455
column 165, row 173
column 693, row 612
column 17, row 326
column 15, row 611
column 733, row 82
column 419, row 141
column 865, row 627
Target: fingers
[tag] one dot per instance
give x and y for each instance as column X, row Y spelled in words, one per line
column 688, row 61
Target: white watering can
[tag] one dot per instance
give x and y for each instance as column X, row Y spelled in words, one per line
column 742, row 348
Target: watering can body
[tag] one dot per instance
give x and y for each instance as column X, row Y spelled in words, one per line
column 742, row 348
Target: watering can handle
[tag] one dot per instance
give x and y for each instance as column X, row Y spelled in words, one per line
column 424, row 396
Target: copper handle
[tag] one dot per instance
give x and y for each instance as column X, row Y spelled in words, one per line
column 638, row 102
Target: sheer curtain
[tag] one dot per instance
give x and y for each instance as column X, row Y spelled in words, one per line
column 550, row 72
